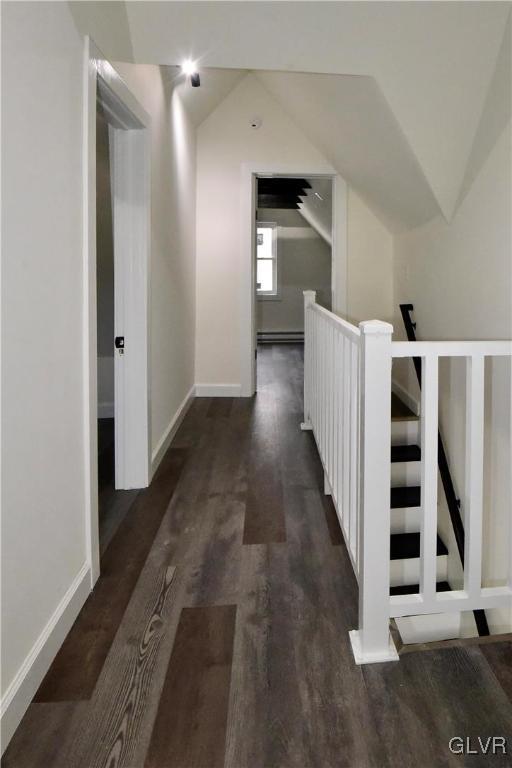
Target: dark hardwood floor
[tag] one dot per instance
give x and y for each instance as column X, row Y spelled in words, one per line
column 113, row 504
column 217, row 634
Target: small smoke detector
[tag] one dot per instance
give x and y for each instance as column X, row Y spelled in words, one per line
column 255, row 122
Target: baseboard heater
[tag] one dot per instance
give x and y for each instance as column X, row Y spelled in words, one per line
column 272, row 337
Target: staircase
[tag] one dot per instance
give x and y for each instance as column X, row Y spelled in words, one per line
column 405, row 536
column 385, row 475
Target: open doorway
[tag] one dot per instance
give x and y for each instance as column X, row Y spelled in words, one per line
column 116, row 302
column 113, row 502
column 293, row 228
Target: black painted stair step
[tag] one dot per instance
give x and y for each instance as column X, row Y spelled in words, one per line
column 405, row 453
column 405, row 496
column 407, row 545
column 413, row 589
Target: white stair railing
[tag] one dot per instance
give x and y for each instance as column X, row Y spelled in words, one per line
column 473, row 596
column 347, row 396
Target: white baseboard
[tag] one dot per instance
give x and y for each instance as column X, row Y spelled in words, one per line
column 105, row 410
column 22, row 689
column 171, row 430
column 218, row 390
column 407, row 398
column 269, row 337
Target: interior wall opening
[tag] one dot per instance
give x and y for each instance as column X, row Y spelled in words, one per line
column 112, row 503
column 293, row 227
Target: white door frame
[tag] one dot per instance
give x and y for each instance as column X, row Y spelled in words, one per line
column 130, row 142
column 249, row 173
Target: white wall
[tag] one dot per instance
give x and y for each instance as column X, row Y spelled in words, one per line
column 304, row 262
column 459, row 278
column 44, row 569
column 43, row 532
column 225, row 141
column 370, row 264
column 173, row 201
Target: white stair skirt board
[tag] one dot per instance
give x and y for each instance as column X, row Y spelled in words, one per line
column 168, row 436
column 218, row 390
column 390, row 654
column 429, row 628
column 405, row 473
column 29, row 677
column 405, row 433
column 406, row 520
column 407, row 571
column 406, row 397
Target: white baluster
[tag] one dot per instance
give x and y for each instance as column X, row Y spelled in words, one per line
column 474, row 475
column 353, row 447
column 429, row 426
column 309, row 298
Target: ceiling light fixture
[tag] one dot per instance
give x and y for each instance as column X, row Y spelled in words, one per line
column 189, row 68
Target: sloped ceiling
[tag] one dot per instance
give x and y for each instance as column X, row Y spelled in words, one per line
column 432, row 60
column 316, row 207
column 423, row 72
column 359, row 135
column 215, row 86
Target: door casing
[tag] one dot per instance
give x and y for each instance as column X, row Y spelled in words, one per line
column 129, row 128
column 248, row 331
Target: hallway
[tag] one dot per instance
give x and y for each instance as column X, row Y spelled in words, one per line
column 218, row 631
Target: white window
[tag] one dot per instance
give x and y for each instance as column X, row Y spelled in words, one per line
column 266, row 259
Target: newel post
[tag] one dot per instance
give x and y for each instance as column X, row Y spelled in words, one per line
column 309, row 298
column 372, row 641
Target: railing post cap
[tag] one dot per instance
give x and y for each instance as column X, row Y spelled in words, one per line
column 376, row 328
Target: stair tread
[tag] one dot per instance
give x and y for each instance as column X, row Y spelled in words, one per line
column 413, row 589
column 405, row 496
column 407, row 545
column 400, row 411
column 405, row 453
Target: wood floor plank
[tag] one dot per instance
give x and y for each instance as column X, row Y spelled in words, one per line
column 190, row 727
column 499, row 658
column 424, row 700
column 118, row 727
column 75, row 670
column 264, row 518
column 220, row 408
column 175, row 539
column 47, row 732
column 263, row 626
column 331, row 518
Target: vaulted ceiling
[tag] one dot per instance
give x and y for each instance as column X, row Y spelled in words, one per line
column 393, row 93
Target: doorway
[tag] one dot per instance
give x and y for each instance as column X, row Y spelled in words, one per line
column 293, row 229
column 116, row 307
column 113, row 502
column 250, row 173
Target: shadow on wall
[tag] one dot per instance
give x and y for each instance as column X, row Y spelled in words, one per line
column 104, row 270
column 304, row 263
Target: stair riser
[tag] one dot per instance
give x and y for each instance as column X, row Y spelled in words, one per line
column 406, row 520
column 405, row 433
column 427, row 629
column 408, row 571
column 405, row 473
